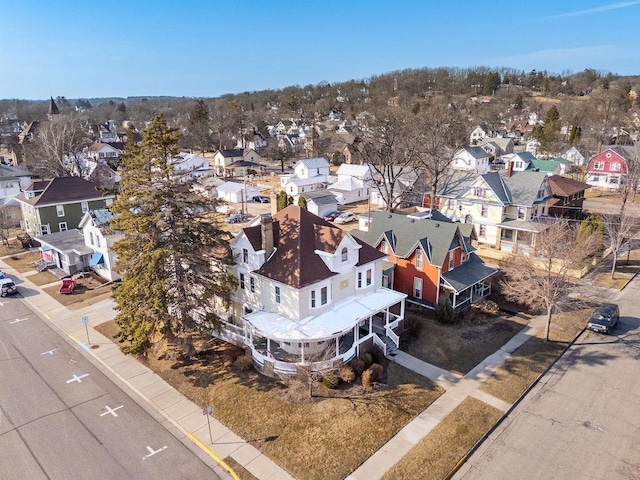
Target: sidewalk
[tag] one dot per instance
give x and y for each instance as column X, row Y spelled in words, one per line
column 176, row 409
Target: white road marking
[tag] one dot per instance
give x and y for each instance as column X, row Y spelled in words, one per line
column 77, row 378
column 50, row 352
column 111, row 411
column 153, row 452
column 19, row 320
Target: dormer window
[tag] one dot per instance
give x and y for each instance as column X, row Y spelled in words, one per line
column 245, row 255
column 384, row 247
column 419, row 260
column 345, row 254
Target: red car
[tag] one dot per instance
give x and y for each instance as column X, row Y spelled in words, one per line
column 68, row 285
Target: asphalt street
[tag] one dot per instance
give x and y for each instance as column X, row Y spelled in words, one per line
column 61, row 418
column 582, row 420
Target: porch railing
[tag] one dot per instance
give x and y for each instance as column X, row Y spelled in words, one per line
column 378, row 342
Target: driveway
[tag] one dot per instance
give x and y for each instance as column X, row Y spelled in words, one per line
column 581, row 420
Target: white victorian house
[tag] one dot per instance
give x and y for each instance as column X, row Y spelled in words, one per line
column 353, row 184
column 308, row 293
column 473, row 159
column 310, row 174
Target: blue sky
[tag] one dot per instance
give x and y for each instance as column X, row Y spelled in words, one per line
column 208, row 48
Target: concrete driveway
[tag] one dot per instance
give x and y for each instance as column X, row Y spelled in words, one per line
column 582, row 420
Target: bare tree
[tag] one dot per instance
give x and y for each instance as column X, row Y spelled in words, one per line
column 389, row 147
column 619, row 231
column 55, row 150
column 6, row 223
column 439, row 132
column 631, row 180
column 543, row 279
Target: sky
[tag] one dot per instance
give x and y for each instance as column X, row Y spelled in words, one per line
column 197, row 48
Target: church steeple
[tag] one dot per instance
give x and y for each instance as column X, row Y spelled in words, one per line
column 53, row 108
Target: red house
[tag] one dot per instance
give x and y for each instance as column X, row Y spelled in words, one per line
column 429, row 257
column 607, row 169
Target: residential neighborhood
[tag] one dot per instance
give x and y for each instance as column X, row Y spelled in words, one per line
column 383, row 278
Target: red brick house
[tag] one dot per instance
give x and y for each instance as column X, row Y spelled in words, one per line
column 429, row 257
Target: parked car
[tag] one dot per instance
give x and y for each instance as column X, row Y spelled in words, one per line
column 330, row 217
column 7, row 287
column 261, row 199
column 345, row 218
column 68, row 286
column 251, row 171
column 604, row 318
column 236, row 218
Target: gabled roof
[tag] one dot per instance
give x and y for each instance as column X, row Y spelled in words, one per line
column 63, row 190
column 524, row 186
column 476, row 152
column 357, row 171
column 298, row 233
column 53, row 108
column 320, row 197
column 564, row 187
column 318, row 162
column 100, row 217
column 236, row 152
column 435, row 236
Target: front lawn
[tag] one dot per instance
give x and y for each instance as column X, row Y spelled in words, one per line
column 82, row 296
column 42, row 278
column 460, row 346
column 325, row 437
column 534, row 356
column 435, row 456
column 23, row 262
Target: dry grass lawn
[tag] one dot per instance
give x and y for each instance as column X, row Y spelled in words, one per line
column 23, row 262
column 438, row 453
column 625, row 271
column 460, row 347
column 320, row 438
column 42, row 278
column 534, row 356
column 80, row 298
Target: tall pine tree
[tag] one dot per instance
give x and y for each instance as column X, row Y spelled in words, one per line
column 172, row 255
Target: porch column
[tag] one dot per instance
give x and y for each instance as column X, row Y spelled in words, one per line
column 515, row 241
column 301, row 352
column 268, row 347
column 402, row 309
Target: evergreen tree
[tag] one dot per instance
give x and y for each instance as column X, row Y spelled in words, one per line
column 171, row 256
column 302, row 202
column 199, row 131
column 282, row 200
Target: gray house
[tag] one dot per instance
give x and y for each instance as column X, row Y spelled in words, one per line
column 58, row 205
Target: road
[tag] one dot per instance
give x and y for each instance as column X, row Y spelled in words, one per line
column 581, row 421
column 61, row 418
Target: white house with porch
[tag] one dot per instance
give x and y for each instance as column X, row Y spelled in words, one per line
column 309, row 294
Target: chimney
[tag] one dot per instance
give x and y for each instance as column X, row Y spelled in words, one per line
column 509, row 168
column 266, row 230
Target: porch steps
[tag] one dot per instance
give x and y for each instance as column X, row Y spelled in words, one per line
column 391, row 347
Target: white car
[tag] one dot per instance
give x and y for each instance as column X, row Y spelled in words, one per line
column 345, row 218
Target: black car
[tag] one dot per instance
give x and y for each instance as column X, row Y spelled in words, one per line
column 261, row 199
column 604, row 318
column 330, row 217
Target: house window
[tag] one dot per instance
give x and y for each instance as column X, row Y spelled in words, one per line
column 62, row 226
column 598, row 166
column 369, row 277
column 313, row 299
column 450, row 203
column 323, row 295
column 417, row 287
column 359, row 279
column 522, row 212
column 245, row 255
column 452, row 259
column 419, row 260
column 60, row 210
column 483, row 210
column 615, row 166
column 277, row 290
column 26, row 224
column 384, row 247
column 478, row 192
column 345, row 254
column 85, row 207
column 242, row 281
column 45, row 230
column 482, row 230
column 90, row 238
column 252, row 284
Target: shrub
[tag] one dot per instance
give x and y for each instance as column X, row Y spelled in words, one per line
column 367, row 358
column 376, row 372
column 231, row 354
column 331, row 381
column 347, row 375
column 444, row 312
column 357, row 364
column 244, row 363
column 366, row 379
column 413, row 325
column 377, row 354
